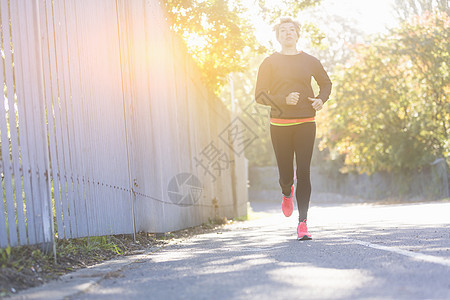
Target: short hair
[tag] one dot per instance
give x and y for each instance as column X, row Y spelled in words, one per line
column 286, row 20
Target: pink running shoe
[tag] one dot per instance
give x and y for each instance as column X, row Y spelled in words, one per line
column 286, row 205
column 302, row 231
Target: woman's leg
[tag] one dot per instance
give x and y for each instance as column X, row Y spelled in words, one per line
column 304, row 137
column 283, row 146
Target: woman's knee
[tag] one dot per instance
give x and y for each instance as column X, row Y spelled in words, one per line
column 303, row 174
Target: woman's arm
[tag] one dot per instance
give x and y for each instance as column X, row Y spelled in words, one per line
column 324, row 82
column 262, row 89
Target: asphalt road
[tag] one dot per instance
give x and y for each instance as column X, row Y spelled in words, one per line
column 357, row 252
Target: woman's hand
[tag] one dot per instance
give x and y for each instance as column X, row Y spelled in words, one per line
column 317, row 103
column 292, row 98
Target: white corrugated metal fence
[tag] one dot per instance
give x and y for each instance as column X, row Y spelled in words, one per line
column 106, row 127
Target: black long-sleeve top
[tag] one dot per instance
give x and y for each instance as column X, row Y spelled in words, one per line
column 279, row 75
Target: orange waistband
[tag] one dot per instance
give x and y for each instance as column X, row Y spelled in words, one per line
column 287, row 122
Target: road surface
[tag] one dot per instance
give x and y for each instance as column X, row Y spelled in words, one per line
column 358, row 251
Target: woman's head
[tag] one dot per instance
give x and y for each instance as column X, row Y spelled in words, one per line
column 287, row 24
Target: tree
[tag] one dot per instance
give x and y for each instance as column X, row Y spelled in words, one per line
column 406, row 9
column 392, row 111
column 215, row 34
column 219, row 33
column 333, row 38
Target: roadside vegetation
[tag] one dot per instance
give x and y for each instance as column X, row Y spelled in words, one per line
column 27, row 266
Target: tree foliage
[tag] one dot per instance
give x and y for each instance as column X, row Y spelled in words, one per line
column 215, row 34
column 406, row 9
column 288, row 8
column 219, row 34
column 391, row 111
column 333, row 44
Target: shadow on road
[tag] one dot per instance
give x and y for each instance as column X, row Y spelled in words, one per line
column 262, row 259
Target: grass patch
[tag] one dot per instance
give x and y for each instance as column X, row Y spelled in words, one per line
column 27, row 266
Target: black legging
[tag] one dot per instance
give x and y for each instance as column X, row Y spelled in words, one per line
column 286, row 141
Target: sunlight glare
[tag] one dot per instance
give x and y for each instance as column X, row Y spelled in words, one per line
column 369, row 16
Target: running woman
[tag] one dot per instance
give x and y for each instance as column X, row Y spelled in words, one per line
column 284, row 84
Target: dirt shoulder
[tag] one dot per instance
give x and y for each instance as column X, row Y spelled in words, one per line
column 27, row 266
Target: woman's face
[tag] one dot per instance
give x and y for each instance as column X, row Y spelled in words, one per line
column 287, row 36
